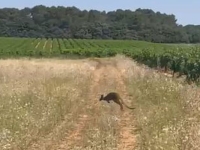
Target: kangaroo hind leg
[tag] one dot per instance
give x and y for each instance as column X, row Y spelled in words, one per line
column 119, row 103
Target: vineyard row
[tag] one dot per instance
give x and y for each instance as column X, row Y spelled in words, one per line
column 182, row 60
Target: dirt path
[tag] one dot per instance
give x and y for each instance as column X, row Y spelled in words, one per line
column 109, row 71
column 103, row 73
column 127, row 138
column 104, row 78
column 75, row 136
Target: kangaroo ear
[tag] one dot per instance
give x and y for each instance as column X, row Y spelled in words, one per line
column 101, row 97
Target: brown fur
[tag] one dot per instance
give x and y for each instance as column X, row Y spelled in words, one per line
column 116, row 98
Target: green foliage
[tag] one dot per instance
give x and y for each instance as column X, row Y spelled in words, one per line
column 71, row 22
column 185, row 61
column 180, row 59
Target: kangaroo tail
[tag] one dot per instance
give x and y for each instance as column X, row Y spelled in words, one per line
column 129, row 107
column 126, row 105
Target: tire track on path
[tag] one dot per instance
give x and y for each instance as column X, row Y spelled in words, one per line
column 75, row 136
column 127, row 139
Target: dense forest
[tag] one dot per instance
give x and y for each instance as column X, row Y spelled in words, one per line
column 71, row 22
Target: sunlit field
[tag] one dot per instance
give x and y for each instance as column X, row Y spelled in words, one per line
column 54, row 104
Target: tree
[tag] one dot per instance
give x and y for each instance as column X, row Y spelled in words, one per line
column 71, row 22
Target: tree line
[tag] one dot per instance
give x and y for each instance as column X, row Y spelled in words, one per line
column 71, row 22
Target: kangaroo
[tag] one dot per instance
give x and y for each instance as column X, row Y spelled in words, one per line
column 116, row 98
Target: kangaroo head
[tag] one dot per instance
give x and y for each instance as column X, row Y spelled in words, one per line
column 101, row 98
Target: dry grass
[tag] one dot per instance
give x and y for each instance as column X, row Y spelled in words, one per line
column 167, row 115
column 192, row 130
column 43, row 103
column 35, row 96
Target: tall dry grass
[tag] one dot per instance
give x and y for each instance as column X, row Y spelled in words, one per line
column 36, row 96
column 42, row 99
column 167, row 114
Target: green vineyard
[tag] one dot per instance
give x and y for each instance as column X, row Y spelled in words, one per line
column 41, row 47
column 184, row 60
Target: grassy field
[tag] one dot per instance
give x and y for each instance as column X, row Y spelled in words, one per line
column 42, row 47
column 54, row 104
column 178, row 59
